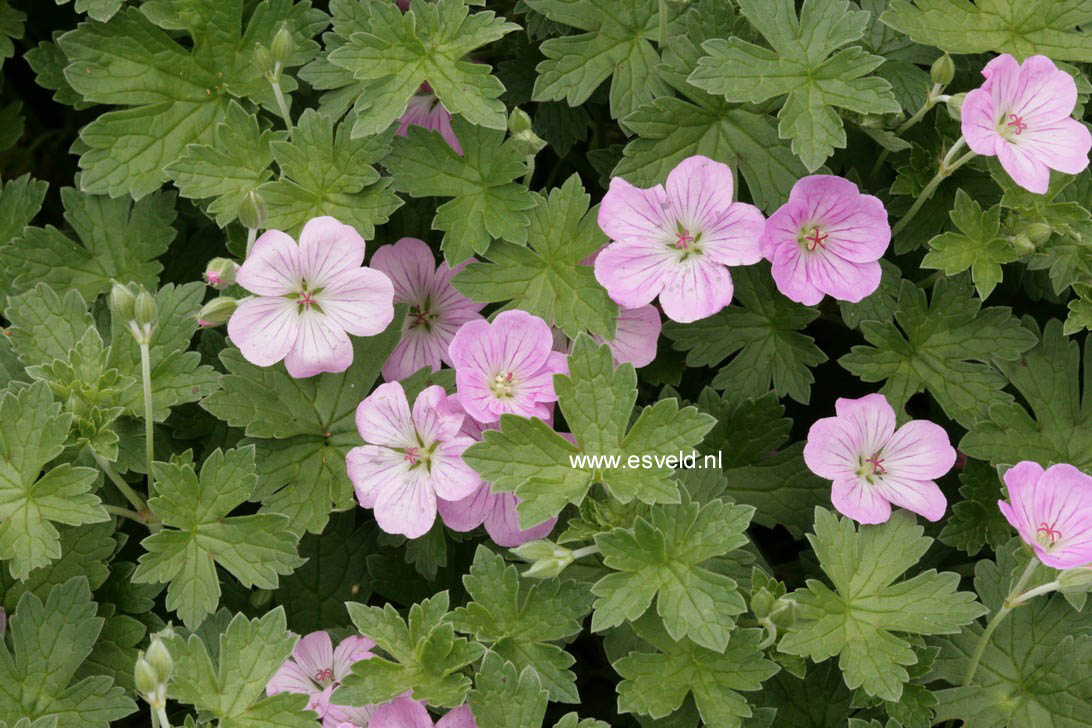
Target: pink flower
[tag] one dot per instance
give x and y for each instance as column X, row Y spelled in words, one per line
column 1052, row 511
column 506, row 366
column 425, row 110
column 827, row 239
column 1022, row 114
column 437, row 310
column 309, row 297
column 405, row 712
column 315, row 669
column 635, row 336
column 676, row 240
column 874, row 465
column 497, row 511
column 410, row 459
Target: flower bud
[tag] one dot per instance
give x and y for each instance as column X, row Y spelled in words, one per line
column 547, row 558
column 955, row 106
column 144, row 677
column 263, row 60
column 261, row 598
column 122, row 302
column 282, row 46
column 159, row 658
column 762, row 602
column 220, row 273
column 145, row 311
column 943, row 70
column 519, row 122
column 1038, row 232
column 523, row 137
column 216, row 312
column 252, row 211
column 1075, row 580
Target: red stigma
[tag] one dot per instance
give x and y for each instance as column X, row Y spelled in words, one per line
column 815, row 240
column 412, row 455
column 1016, row 122
column 306, row 299
column 877, row 464
column 1050, row 532
column 684, row 240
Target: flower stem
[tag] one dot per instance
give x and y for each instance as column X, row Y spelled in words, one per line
column 663, row 23
column 275, row 82
column 947, row 167
column 996, row 620
column 251, row 236
column 586, row 551
column 125, row 513
column 130, row 495
column 530, row 171
column 932, row 99
column 164, row 722
column 149, row 442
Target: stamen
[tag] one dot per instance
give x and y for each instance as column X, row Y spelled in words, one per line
column 684, row 239
column 412, row 455
column 1048, row 532
column 815, row 240
column 1017, row 123
column 306, row 299
column 324, row 676
column 503, row 383
column 420, row 317
column 877, row 464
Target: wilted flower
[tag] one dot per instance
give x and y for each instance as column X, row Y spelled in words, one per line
column 409, row 458
column 677, row 240
column 826, row 240
column 506, row 366
column 316, row 669
column 1052, row 511
column 436, row 312
column 873, row 465
column 309, row 297
column 1023, row 115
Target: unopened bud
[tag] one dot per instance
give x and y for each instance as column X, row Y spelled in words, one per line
column 145, row 311
column 872, row 121
column 519, row 121
column 220, row 273
column 144, row 678
column 1023, row 244
column 523, row 136
column 1038, row 232
column 943, row 70
column 955, row 106
column 282, row 46
column 122, row 302
column 252, row 211
column 263, row 60
column 547, row 558
column 762, row 601
column 216, row 312
column 159, row 658
column 260, row 598
column 1075, row 580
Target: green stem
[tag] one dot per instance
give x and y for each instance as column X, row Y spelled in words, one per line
column 155, row 718
column 586, row 551
column 530, row 171
column 1030, row 594
column 279, row 95
column 663, row 23
column 947, row 167
column 149, row 442
column 996, row 620
column 130, row 495
column 164, row 722
column 771, row 633
column 930, row 101
column 124, row 513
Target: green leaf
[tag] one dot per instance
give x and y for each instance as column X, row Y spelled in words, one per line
column 255, row 549
column 115, row 652
column 505, row 698
column 858, row 619
column 763, row 333
column 528, row 457
column 671, row 128
column 29, row 504
column 523, row 630
column 230, row 684
column 44, row 326
column 615, row 43
column 398, row 52
column 976, row 521
column 328, row 173
column 303, row 427
column 572, row 720
column 545, row 276
column 880, row 305
column 948, row 347
column 11, row 27
column 1032, row 671
column 1049, row 27
column 48, row 62
column 656, row 683
column 819, row 699
column 85, row 551
column 119, row 240
column 661, row 557
column 487, row 201
column 181, row 91
column 20, row 200
column 807, row 65
column 100, row 10
column 426, row 656
column 49, row 643
column 978, row 245
column 230, row 168
column 1056, row 430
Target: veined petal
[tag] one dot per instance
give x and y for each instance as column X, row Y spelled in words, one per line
column 383, row 417
column 634, row 273
column 1046, row 93
column 873, row 417
column 733, row 238
column 416, row 349
column 460, row 717
column 273, row 266
column 630, row 214
column 407, row 505
column 321, row 346
column 433, row 418
column 1025, row 169
column 699, row 192
column 840, row 278
column 919, row 450
column 290, row 678
column 402, row 712
column 920, row 496
column 696, row 290
column 452, row 478
column 1062, row 145
column 372, row 468
column 860, row 501
column 360, row 301
column 410, row 265
column 351, row 649
column 502, row 523
column 788, row 268
column 523, row 342
column 635, row 336
column 467, row 513
column 833, row 448
column 328, row 248
column 314, row 653
column 264, row 328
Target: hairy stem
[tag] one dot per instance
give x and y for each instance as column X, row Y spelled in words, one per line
column 275, row 83
column 161, row 710
column 125, row 513
column 586, row 551
column 996, row 620
column 931, row 100
column 149, row 442
column 130, row 495
column 947, row 167
column 530, row 171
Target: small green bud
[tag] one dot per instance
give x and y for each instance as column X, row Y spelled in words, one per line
column 144, row 677
column 523, row 136
column 146, row 312
column 547, row 558
column 122, row 302
column 1075, row 580
column 1023, row 244
column 252, row 211
column 282, row 46
column 263, row 61
column 261, row 598
column 519, row 122
column 220, row 273
column 955, row 106
column 1038, row 232
column 216, row 312
column 943, row 70
column 762, row 601
column 159, row 658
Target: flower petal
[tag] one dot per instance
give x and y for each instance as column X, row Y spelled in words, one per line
column 860, row 501
column 789, row 270
column 273, row 266
column 372, row 468
column 360, row 301
column 410, row 265
column 452, row 478
column 290, row 678
column 635, row 336
column 314, row 653
column 351, row 649
column 460, row 717
column 264, row 329
column 1062, row 145
column 920, row 496
column 833, row 448
column 321, row 346
column 327, row 249
column 840, row 278
column 1025, row 169
column 383, row 417
column 696, row 290
column 407, row 505
column 919, row 450
column 502, row 523
column 873, row 417
column 402, row 712
column 433, row 418
column 630, row 214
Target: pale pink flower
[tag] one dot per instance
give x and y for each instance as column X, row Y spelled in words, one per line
column 1052, row 511
column 309, row 298
column 316, row 669
column 873, row 465
column 827, row 239
column 496, row 511
column 1023, row 115
column 425, row 110
column 410, row 458
column 436, row 312
column 636, row 334
column 405, row 712
column 506, row 366
column 677, row 240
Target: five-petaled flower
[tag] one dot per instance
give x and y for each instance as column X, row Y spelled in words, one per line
column 506, row 366
column 436, row 312
column 410, row 458
column 873, row 465
column 1052, row 511
column 309, row 297
column 316, row 668
column 1023, row 115
column 405, row 712
column 826, row 240
column 677, row 240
